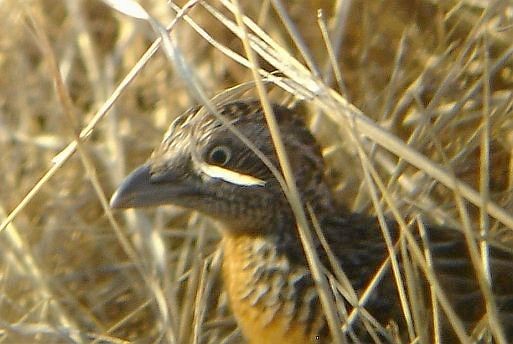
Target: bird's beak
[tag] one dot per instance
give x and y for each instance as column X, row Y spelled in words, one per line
column 141, row 189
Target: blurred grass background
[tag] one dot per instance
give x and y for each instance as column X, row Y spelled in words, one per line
column 437, row 74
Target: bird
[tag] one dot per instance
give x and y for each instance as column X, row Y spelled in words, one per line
column 205, row 164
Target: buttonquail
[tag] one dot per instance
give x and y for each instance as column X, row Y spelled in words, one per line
column 202, row 165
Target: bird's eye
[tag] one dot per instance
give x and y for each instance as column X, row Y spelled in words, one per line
column 220, row 155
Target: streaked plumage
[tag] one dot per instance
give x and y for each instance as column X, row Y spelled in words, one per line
column 202, row 165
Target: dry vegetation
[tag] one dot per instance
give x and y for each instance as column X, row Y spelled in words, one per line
column 434, row 74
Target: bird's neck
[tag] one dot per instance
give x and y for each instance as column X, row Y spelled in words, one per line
column 276, row 223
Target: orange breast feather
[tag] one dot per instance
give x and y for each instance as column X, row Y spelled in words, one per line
column 262, row 318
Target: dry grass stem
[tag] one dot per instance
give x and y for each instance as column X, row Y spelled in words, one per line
column 410, row 100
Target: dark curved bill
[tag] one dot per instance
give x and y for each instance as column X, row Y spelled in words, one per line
column 140, row 190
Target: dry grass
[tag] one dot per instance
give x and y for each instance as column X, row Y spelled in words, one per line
column 434, row 77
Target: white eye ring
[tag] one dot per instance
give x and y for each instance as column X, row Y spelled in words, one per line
column 220, row 155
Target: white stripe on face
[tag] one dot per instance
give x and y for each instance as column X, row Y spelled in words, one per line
column 229, row 175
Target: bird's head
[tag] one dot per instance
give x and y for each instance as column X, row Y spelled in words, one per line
column 202, row 165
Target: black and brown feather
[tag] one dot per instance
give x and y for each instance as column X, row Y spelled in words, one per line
column 270, row 287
